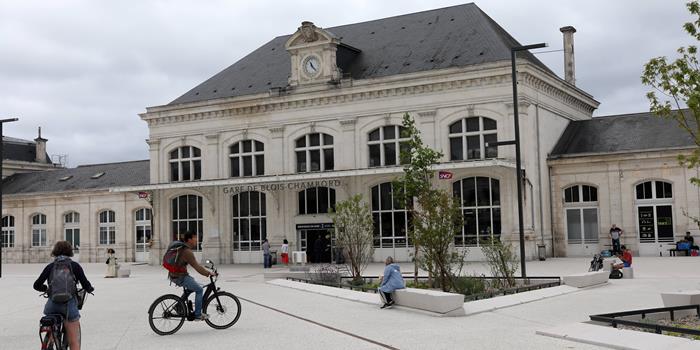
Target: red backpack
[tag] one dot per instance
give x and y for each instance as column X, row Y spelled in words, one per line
column 170, row 258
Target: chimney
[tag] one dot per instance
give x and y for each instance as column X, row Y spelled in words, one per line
column 40, row 149
column 569, row 69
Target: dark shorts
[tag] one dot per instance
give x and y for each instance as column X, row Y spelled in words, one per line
column 69, row 310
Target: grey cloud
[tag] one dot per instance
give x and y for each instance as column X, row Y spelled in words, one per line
column 83, row 69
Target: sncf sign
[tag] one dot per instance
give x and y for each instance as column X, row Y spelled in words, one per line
column 444, row 175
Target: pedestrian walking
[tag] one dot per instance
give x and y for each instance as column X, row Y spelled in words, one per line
column 615, row 234
column 267, row 263
column 284, row 252
column 112, row 265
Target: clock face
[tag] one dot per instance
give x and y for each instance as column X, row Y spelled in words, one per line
column 312, row 65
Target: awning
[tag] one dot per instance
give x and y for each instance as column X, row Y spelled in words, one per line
column 266, row 179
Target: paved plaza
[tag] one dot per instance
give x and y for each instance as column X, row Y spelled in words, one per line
column 282, row 318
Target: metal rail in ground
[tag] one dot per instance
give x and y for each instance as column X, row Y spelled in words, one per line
column 614, row 320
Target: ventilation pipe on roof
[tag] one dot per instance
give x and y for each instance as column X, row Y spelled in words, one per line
column 40, row 149
column 569, row 70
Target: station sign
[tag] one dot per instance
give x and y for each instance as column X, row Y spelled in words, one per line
column 282, row 186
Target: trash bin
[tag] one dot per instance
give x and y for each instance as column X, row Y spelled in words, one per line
column 542, row 252
column 273, row 257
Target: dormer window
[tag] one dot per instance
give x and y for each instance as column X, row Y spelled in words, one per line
column 98, row 175
column 65, row 178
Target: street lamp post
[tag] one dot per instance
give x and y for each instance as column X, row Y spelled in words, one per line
column 516, row 125
column 2, row 121
column 516, row 142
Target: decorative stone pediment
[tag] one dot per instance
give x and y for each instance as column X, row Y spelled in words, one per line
column 310, row 35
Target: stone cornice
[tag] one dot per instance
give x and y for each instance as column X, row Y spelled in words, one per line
column 264, row 104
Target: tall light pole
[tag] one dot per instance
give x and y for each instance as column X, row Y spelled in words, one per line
column 2, row 143
column 516, row 142
column 516, row 125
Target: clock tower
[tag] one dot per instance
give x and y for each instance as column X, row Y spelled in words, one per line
column 312, row 52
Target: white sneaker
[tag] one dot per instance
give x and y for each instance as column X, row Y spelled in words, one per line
column 202, row 318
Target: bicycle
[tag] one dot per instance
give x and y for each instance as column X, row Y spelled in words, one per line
column 168, row 313
column 52, row 333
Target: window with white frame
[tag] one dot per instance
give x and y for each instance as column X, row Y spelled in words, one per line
column 654, row 201
column 385, row 145
column 8, row 231
column 469, row 136
column 106, row 224
column 581, row 208
column 38, row 230
column 390, row 217
column 71, row 229
column 185, row 164
column 314, row 152
column 480, row 201
column 188, row 215
column 247, row 158
column 142, row 228
column 316, row 200
column 249, row 215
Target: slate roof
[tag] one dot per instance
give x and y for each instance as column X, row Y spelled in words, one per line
column 618, row 133
column 19, row 149
column 454, row 36
column 131, row 173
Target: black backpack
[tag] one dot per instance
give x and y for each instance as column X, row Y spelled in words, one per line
column 62, row 281
column 615, row 275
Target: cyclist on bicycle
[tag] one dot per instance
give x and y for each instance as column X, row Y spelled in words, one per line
column 183, row 279
column 62, row 251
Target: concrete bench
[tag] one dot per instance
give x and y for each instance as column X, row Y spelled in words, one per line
column 124, row 272
column 449, row 304
column 627, row 272
column 681, row 298
column 587, row 279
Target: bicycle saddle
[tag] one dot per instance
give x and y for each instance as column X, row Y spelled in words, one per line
column 50, row 320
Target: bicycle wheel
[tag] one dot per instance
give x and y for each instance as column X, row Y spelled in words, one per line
column 225, row 310
column 167, row 314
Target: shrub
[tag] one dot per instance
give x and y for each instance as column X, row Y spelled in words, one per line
column 469, row 285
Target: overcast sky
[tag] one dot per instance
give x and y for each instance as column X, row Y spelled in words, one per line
column 83, row 70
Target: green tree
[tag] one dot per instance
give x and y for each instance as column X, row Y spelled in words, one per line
column 502, row 261
column 676, row 84
column 435, row 226
column 417, row 160
column 354, row 233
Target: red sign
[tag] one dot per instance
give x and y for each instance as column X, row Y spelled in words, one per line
column 444, row 175
column 143, row 195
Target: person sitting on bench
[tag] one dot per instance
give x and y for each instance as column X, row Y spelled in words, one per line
column 391, row 281
column 688, row 238
column 626, row 258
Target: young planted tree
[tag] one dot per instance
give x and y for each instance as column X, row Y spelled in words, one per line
column 677, row 84
column 502, row 261
column 354, row 234
column 436, row 224
column 417, row 160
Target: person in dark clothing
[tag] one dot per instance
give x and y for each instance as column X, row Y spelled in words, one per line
column 319, row 247
column 688, row 238
column 63, row 250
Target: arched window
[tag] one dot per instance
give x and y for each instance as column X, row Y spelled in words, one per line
column 581, row 207
column 655, row 211
column 71, row 229
column 8, row 231
column 480, row 199
column 142, row 228
column 107, row 226
column 468, row 138
column 385, row 145
column 188, row 216
column 249, row 220
column 38, row 230
column 316, row 200
column 390, row 218
column 314, row 152
column 247, row 158
column 185, row 164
